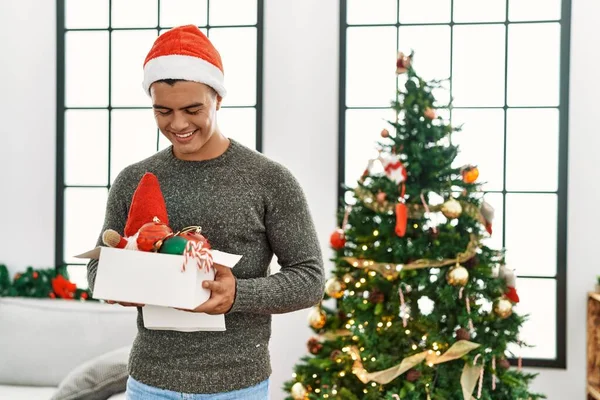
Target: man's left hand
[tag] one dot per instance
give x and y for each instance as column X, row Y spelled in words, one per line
column 222, row 292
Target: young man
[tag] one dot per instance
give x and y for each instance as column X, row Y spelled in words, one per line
column 245, row 203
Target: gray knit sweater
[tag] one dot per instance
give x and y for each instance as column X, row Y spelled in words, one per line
column 247, row 205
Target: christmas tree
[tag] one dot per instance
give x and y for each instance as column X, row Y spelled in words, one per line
column 418, row 306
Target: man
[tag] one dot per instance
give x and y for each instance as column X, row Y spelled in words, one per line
column 245, row 203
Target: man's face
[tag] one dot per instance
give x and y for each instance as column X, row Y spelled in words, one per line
column 186, row 114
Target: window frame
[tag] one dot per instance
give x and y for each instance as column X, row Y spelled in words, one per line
column 61, row 108
column 563, row 110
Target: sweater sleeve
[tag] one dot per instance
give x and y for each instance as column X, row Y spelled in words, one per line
column 115, row 218
column 292, row 236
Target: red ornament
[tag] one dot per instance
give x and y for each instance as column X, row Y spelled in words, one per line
column 402, row 63
column 381, row 197
column 385, row 133
column 52, row 295
column 84, row 295
column 35, row 275
column 196, row 237
column 150, row 233
column 338, row 239
column 63, row 288
column 511, row 294
column 429, row 113
column 401, row 219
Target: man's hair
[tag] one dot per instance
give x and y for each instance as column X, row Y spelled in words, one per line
column 172, row 82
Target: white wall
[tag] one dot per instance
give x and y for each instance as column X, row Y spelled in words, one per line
column 27, row 132
column 584, row 198
column 300, row 128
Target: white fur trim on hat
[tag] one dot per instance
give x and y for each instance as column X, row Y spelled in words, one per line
column 184, row 67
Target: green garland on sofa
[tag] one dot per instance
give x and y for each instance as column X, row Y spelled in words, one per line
column 41, row 283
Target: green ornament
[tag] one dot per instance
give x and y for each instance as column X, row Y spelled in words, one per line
column 173, row 245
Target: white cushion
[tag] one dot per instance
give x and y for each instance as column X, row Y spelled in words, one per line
column 98, row 378
column 42, row 340
column 26, row 392
column 36, row 393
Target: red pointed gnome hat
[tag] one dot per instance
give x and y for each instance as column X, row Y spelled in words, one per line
column 184, row 53
column 147, row 203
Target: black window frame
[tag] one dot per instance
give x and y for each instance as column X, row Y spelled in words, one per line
column 560, row 360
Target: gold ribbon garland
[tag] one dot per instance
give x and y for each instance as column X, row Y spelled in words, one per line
column 415, row 211
column 391, row 270
column 468, row 379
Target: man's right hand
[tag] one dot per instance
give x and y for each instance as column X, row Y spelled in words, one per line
column 125, row 304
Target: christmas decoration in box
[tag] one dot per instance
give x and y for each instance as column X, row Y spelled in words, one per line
column 173, row 265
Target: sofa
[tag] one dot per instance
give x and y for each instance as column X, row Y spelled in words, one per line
column 46, row 343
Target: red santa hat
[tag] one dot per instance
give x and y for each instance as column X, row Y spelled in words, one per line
column 184, row 53
column 146, row 204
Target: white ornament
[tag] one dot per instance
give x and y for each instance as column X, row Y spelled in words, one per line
column 298, row 391
column 487, row 211
column 393, row 168
column 509, row 276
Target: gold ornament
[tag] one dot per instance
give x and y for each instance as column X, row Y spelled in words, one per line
column 317, row 318
column 451, row 209
column 503, row 308
column 298, row 391
column 458, row 276
column 335, row 288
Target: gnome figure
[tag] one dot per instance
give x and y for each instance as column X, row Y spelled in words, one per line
column 147, row 221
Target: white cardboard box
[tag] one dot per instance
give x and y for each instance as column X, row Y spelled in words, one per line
column 158, row 281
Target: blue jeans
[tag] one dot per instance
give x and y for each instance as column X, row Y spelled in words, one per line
column 139, row 391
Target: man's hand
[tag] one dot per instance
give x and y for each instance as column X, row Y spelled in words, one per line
column 222, row 292
column 125, row 304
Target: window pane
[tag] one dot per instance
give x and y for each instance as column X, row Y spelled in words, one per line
column 371, row 66
column 533, row 255
column 363, row 129
column 532, row 150
column 538, row 299
column 534, row 10
column 86, row 69
column 182, row 12
column 86, row 130
column 371, row 12
column 237, row 47
column 533, row 64
column 233, row 12
column 496, row 200
column 478, row 65
column 239, row 124
column 163, row 142
column 160, row 32
column 133, row 138
column 134, row 13
column 479, row 11
column 129, row 50
column 84, row 216
column 86, row 14
column 481, row 143
column 432, row 49
column 78, row 275
column 413, row 11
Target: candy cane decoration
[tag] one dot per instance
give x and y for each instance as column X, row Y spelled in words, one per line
column 433, row 228
column 480, row 382
column 480, row 375
column 468, row 303
column 402, row 307
column 346, row 215
column 494, row 373
column 202, row 255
